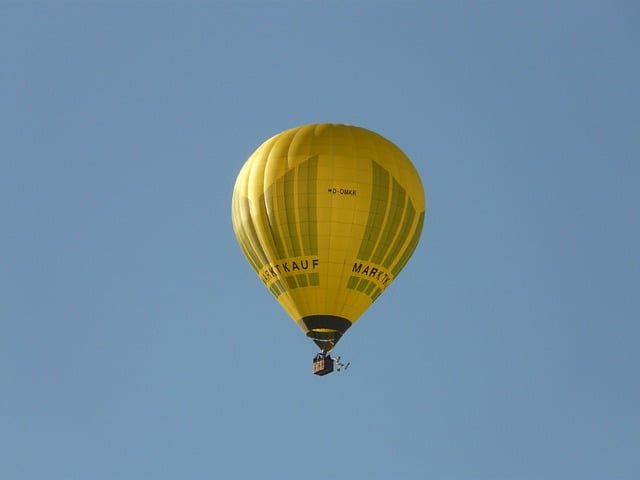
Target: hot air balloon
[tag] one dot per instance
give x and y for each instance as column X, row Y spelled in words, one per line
column 327, row 215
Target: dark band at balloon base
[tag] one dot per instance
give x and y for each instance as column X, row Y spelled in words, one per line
column 325, row 330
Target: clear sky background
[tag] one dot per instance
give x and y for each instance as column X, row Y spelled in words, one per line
column 137, row 343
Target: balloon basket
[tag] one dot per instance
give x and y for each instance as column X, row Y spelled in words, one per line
column 322, row 364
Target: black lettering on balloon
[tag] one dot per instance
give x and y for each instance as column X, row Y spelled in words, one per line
column 274, row 271
column 374, row 272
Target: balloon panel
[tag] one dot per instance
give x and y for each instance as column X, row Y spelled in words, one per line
column 327, row 215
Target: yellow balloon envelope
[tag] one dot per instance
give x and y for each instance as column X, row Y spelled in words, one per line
column 327, row 215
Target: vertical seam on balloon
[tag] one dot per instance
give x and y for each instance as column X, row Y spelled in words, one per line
column 401, row 237
column 249, row 253
column 369, row 288
column 313, row 205
column 271, row 194
column 249, row 228
column 289, row 209
column 264, row 219
column 376, row 294
column 307, row 210
column 379, row 201
column 351, row 280
column 393, row 217
column 266, row 200
column 240, row 235
column 302, row 279
column 300, row 214
column 411, row 246
column 272, row 223
column 250, row 236
column 303, row 195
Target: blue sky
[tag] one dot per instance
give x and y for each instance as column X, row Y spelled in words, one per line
column 136, row 342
